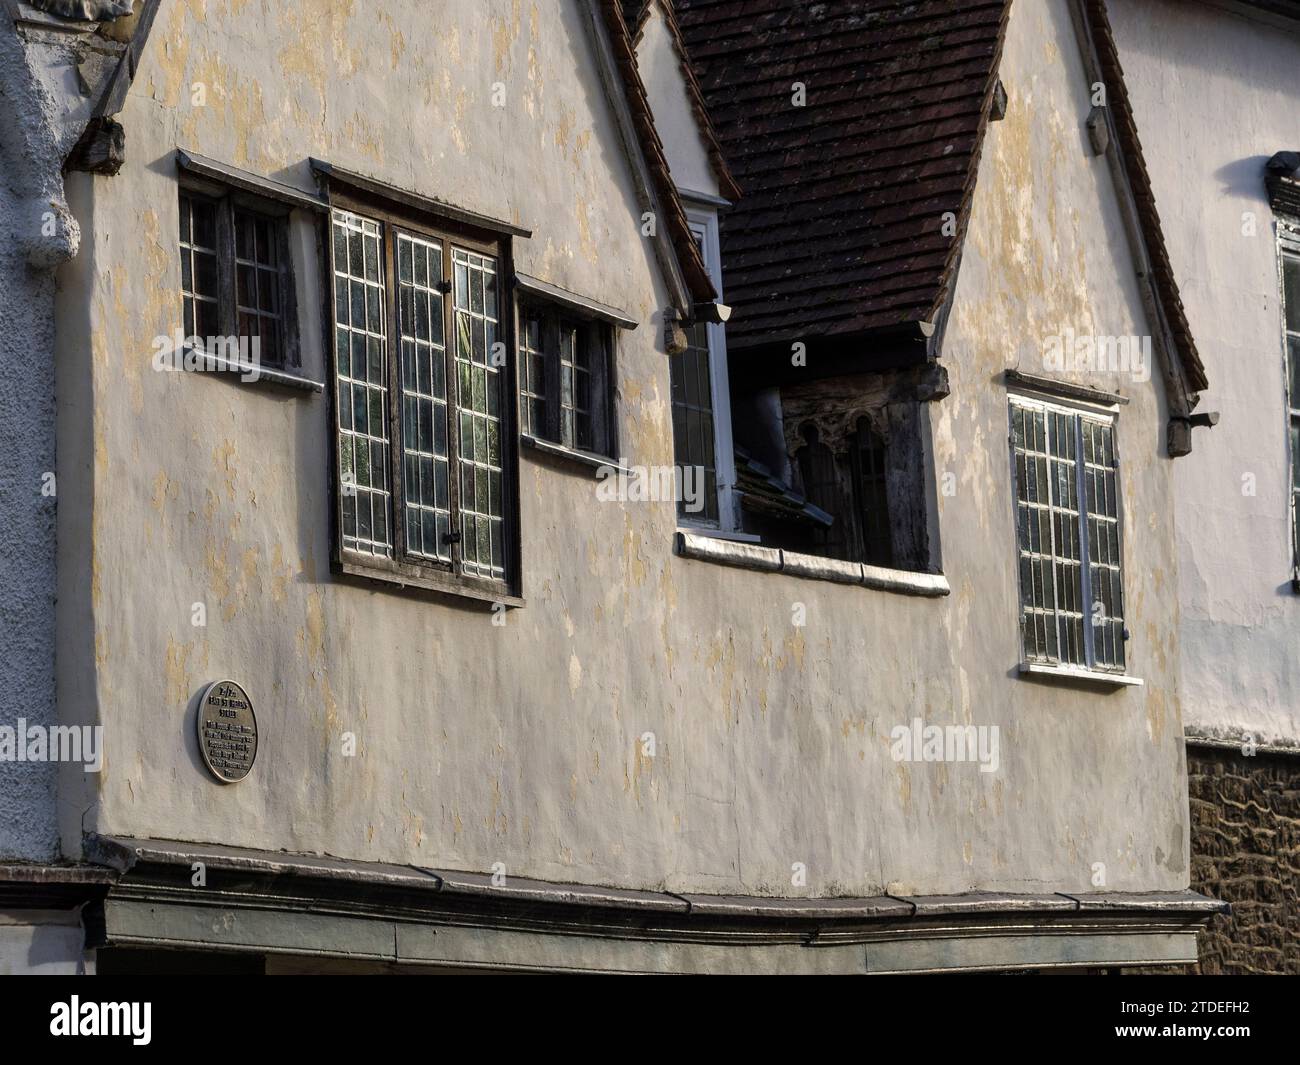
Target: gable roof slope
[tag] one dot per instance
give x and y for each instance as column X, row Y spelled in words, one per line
column 1162, row 277
column 634, row 14
column 685, row 250
column 841, row 229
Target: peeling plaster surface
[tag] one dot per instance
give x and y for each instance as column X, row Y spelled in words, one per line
column 521, row 744
column 1218, row 90
column 36, row 232
column 27, row 573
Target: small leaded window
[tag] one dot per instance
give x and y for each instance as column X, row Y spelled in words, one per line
column 442, row 504
column 361, row 350
column 849, row 484
column 871, row 498
column 1067, row 519
column 693, row 440
column 479, row 377
column 575, row 387
column 426, row 464
column 532, row 375
column 200, row 291
column 565, row 386
column 258, row 278
column 236, row 286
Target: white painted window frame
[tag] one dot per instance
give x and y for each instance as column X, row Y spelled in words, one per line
column 1288, row 240
column 704, row 224
column 1032, row 399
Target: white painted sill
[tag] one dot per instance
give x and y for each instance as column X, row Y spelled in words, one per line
column 1085, row 676
column 812, row 567
column 589, row 459
column 714, row 533
column 261, row 375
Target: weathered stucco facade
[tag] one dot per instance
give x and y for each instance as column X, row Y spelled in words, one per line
column 520, row 743
column 1221, row 82
column 1214, row 83
column 520, row 747
column 36, row 234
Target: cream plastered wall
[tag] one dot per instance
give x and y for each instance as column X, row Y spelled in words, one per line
column 661, row 70
column 1215, row 96
column 522, row 744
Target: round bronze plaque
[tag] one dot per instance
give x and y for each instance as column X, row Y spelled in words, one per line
column 227, row 731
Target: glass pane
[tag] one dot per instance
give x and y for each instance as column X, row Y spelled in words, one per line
column 1293, row 370
column 693, row 419
column 1291, row 291
column 1106, row 578
column 424, row 428
column 1041, row 526
column 361, row 355
column 479, row 399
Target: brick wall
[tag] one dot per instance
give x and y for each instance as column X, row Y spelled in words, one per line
column 1246, row 850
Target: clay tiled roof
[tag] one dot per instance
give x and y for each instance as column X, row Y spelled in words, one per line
column 633, row 12
column 840, row 231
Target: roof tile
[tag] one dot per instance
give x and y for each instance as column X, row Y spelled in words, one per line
column 840, row 227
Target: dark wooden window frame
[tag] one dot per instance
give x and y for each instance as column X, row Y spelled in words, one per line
column 403, row 569
column 869, row 466
column 227, row 199
column 600, row 338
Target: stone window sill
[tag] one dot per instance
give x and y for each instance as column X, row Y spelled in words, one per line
column 1038, row 670
column 811, row 567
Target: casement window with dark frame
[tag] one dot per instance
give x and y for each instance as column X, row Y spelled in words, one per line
column 566, row 378
column 694, row 433
column 426, row 479
column 236, row 281
column 1066, row 477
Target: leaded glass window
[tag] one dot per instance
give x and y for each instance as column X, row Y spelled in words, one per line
column 200, row 290
column 1291, row 300
column 258, row 280
column 532, row 375
column 482, row 509
column 565, row 378
column 693, row 433
column 872, row 496
column 361, row 340
column 438, row 506
column 424, row 398
column 236, row 285
column 575, row 387
column 1067, row 520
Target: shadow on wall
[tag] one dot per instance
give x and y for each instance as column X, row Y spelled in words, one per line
column 1244, row 178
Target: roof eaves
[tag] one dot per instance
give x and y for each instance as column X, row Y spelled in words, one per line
column 686, row 252
column 726, row 181
column 634, row 13
column 952, row 262
column 1163, row 282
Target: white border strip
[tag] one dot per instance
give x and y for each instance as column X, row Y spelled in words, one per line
column 812, row 567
